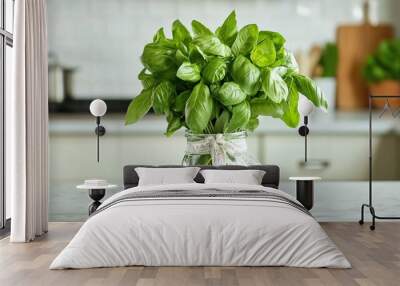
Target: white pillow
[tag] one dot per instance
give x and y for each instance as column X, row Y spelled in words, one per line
column 166, row 176
column 248, row 177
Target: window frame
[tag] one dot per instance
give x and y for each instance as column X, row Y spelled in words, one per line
column 6, row 39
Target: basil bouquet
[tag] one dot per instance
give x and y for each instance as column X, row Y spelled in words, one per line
column 220, row 82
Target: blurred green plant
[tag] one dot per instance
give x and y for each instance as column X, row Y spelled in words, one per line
column 220, row 82
column 329, row 60
column 384, row 63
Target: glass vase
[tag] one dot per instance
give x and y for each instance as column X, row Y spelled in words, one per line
column 217, row 149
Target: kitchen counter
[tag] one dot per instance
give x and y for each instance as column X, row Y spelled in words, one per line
column 340, row 123
column 338, row 146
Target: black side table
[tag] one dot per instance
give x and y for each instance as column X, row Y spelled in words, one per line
column 96, row 193
column 305, row 190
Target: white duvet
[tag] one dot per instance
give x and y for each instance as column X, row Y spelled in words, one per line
column 200, row 231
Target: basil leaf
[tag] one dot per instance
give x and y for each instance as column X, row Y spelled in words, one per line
column 230, row 93
column 246, row 75
column 180, row 101
column 211, row 45
column 158, row 58
column 183, row 48
column 214, row 87
column 261, row 95
column 286, row 110
column 159, row 35
column 216, row 110
column 266, row 107
column 253, row 124
column 199, row 108
column 240, row 117
column 310, row 90
column 139, row 106
column 197, row 56
column 215, row 70
column 286, row 59
column 189, row 72
column 174, row 123
column 222, row 121
column 280, row 58
column 245, row 40
column 162, row 95
column 290, row 62
column 180, row 57
column 291, row 115
column 180, row 33
column 205, row 160
column 199, row 29
column 182, row 53
column 165, row 42
column 276, row 38
column 148, row 80
column 228, row 31
column 263, row 53
column 274, row 86
column 166, row 75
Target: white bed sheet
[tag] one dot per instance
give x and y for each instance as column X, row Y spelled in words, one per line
column 193, row 231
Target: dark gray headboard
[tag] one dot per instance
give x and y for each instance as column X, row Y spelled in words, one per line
column 271, row 177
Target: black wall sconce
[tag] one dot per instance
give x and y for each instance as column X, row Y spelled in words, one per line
column 305, row 108
column 98, row 108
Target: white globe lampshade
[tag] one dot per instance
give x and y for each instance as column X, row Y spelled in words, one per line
column 98, row 107
column 305, row 106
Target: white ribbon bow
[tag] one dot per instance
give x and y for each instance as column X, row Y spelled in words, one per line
column 223, row 151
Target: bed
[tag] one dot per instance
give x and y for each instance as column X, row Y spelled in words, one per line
column 201, row 224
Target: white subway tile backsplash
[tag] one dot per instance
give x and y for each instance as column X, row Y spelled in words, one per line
column 103, row 39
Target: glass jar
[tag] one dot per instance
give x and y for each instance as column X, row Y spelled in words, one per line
column 217, row 149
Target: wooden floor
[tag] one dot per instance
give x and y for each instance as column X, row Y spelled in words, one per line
column 375, row 257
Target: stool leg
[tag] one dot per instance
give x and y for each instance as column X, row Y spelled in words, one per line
column 305, row 193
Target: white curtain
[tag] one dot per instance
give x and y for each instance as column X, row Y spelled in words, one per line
column 27, row 123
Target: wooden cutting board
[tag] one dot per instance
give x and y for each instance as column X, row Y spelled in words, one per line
column 355, row 43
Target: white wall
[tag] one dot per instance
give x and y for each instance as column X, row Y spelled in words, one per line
column 103, row 39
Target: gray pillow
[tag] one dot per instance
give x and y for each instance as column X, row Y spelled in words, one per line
column 247, row 177
column 166, row 176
